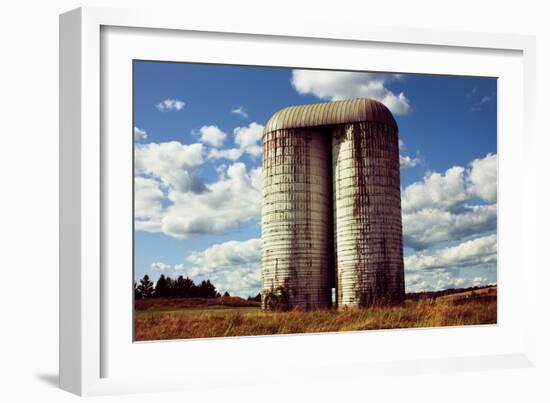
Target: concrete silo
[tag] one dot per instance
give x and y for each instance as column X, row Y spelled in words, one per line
column 296, row 219
column 331, row 206
column 368, row 233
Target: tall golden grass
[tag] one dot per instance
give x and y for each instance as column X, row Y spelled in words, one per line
column 160, row 325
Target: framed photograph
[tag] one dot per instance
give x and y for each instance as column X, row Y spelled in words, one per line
column 265, row 194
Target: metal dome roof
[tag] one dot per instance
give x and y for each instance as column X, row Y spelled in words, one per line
column 330, row 113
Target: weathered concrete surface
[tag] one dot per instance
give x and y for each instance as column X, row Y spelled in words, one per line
column 367, row 215
column 296, row 220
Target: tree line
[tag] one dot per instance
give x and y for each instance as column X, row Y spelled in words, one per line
column 181, row 287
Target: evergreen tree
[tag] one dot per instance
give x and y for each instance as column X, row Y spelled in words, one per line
column 207, row 289
column 170, row 288
column 145, row 287
column 188, row 288
column 182, row 287
column 137, row 294
column 161, row 287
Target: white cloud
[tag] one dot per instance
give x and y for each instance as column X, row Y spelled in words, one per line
column 471, row 263
column 179, row 267
column 232, row 154
column 439, row 208
column 240, row 111
column 470, row 253
column 227, row 255
column 233, row 200
column 212, row 135
column 189, row 209
column 340, row 85
column 437, row 281
column 139, row 134
column 172, row 198
column 442, row 191
column 159, row 266
column 247, row 140
column 173, row 163
column 427, row 227
column 454, row 187
column 170, row 104
column 483, row 177
column 477, row 281
column 147, row 204
column 232, row 266
column 408, row 162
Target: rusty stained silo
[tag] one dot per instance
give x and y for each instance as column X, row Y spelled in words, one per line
column 331, row 206
column 368, row 233
column 296, row 220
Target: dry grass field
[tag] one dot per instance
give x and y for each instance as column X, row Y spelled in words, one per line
column 184, row 319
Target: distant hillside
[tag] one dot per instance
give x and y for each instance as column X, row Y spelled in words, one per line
column 487, row 290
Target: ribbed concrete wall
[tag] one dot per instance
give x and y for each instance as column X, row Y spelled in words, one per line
column 296, row 220
column 367, row 214
column 331, row 204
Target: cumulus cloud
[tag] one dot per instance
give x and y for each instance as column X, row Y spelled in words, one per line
column 340, row 85
column 471, row 263
column 470, row 253
column 159, row 266
column 172, row 163
column 483, row 177
column 212, row 135
column 247, row 138
column 442, row 280
column 147, row 204
column 170, row 104
column 440, row 207
column 247, row 141
column 232, row 154
column 240, row 111
column 454, row 187
column 434, row 281
column 139, row 134
column 406, row 161
column 172, row 198
column 478, row 281
column 427, row 227
column 233, row 200
column 232, row 266
column 441, row 191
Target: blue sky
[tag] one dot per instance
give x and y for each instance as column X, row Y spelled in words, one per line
column 197, row 131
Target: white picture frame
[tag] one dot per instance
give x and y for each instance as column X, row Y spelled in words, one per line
column 85, row 343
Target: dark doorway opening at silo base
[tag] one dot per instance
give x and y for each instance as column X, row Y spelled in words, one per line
column 331, row 216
